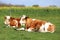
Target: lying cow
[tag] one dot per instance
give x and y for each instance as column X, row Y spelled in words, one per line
column 37, row 25
column 13, row 22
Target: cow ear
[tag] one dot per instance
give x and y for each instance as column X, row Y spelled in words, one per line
column 11, row 18
column 26, row 17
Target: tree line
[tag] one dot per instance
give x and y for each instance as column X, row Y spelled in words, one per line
column 8, row 5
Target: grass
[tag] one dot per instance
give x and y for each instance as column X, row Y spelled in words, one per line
column 52, row 15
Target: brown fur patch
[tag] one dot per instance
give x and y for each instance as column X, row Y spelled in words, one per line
column 51, row 28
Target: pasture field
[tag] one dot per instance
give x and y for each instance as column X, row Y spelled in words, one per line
column 49, row 14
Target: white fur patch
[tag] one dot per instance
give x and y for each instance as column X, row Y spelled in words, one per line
column 8, row 17
column 21, row 29
column 33, row 19
column 29, row 30
column 23, row 16
column 22, row 22
column 42, row 28
column 13, row 26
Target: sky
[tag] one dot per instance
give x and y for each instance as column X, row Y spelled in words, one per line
column 32, row 2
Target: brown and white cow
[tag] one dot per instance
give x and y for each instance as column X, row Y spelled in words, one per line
column 13, row 22
column 37, row 25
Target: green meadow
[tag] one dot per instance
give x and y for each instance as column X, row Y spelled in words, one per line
column 48, row 14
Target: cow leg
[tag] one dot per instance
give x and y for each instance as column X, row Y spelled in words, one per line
column 20, row 29
column 30, row 30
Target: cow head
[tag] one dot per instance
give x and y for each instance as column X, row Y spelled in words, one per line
column 7, row 18
column 23, row 19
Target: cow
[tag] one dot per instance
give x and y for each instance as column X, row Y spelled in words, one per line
column 13, row 22
column 37, row 25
